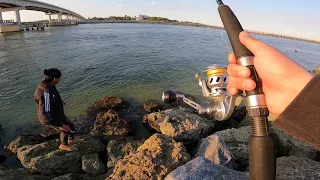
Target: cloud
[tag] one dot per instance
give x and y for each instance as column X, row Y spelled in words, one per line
column 85, row 6
column 152, row 4
column 120, row 5
column 109, row 6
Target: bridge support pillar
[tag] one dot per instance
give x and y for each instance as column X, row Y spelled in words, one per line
column 18, row 19
column 50, row 19
column 1, row 16
column 59, row 17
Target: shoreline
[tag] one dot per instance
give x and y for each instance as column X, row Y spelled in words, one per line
column 191, row 24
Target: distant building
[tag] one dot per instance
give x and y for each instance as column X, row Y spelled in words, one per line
column 142, row 17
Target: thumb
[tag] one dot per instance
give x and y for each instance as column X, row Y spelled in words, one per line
column 254, row 45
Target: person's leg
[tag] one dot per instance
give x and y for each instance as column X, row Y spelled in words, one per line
column 71, row 125
column 64, row 142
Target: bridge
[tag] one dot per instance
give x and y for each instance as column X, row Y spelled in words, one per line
column 17, row 5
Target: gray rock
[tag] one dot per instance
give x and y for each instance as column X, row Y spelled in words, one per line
column 15, row 174
column 289, row 168
column 117, row 149
column 78, row 177
column 46, row 158
column 23, row 141
column 237, row 143
column 214, row 149
column 48, row 132
column 202, row 168
column 154, row 159
column 289, row 146
column 91, row 164
column 181, row 124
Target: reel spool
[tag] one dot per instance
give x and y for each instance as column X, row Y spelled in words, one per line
column 215, row 85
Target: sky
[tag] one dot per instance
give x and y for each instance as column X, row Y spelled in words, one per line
column 289, row 17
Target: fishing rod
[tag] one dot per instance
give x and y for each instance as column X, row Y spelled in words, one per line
column 262, row 154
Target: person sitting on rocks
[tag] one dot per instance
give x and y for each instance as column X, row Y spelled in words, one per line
column 51, row 111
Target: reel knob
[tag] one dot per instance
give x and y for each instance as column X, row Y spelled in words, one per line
column 169, row 97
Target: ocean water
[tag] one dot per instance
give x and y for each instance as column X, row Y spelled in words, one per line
column 135, row 61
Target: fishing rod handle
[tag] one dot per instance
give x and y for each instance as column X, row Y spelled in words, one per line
column 262, row 158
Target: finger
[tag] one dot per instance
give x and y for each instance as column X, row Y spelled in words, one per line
column 238, row 71
column 232, row 91
column 241, row 83
column 254, row 45
column 232, row 58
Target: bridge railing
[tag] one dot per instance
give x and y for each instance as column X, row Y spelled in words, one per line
column 6, row 21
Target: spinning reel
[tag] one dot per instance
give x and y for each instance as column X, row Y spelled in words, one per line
column 214, row 87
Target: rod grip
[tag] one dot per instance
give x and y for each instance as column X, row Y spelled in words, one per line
column 262, row 158
column 233, row 28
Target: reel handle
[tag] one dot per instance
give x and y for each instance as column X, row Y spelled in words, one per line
column 262, row 154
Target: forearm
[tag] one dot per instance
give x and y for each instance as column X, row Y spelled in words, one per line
column 301, row 118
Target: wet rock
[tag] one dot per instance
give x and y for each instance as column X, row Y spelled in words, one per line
column 109, row 124
column 181, row 124
column 47, row 159
column 78, row 177
column 297, row 168
column 23, row 141
column 105, row 104
column 214, row 149
column 154, row 159
column 237, row 143
column 202, row 168
column 317, row 70
column 153, row 106
column 91, row 164
column 119, row 148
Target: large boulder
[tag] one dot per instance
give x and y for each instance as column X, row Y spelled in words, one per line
column 202, row 168
column 297, row 168
column 152, row 106
column 181, row 124
column 105, row 104
column 157, row 157
column 91, row 164
column 109, row 124
column 14, row 174
column 78, row 177
column 237, row 143
column 289, row 146
column 214, row 149
column 46, row 158
column 121, row 147
column 24, row 140
column 317, row 70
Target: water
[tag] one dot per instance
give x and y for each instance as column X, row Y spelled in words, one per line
column 135, row 61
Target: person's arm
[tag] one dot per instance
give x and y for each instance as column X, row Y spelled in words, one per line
column 301, row 118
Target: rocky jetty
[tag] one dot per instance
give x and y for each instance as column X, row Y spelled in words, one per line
column 184, row 145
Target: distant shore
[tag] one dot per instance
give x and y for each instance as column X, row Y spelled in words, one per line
column 197, row 25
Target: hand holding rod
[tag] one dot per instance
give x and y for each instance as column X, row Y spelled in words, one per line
column 262, row 155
